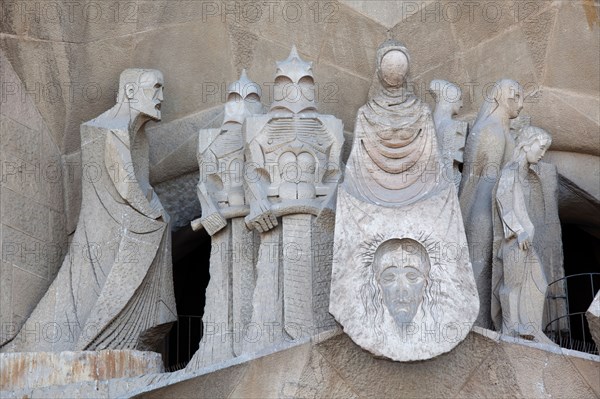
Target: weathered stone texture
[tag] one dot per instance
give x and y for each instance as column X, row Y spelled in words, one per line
column 485, row 365
column 62, row 368
column 32, row 229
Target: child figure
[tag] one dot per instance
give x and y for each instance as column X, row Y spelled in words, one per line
column 522, row 283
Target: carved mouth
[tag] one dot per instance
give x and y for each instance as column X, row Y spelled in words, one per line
column 157, row 106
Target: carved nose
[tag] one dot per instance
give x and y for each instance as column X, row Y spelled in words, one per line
column 404, row 290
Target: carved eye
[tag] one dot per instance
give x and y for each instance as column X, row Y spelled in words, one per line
column 388, row 276
column 413, row 277
column 157, row 86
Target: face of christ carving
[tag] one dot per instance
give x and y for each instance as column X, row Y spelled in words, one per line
column 402, row 271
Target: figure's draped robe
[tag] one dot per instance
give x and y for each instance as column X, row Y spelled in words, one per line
column 114, row 289
column 520, row 278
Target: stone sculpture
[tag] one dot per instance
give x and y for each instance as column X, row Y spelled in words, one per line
column 221, row 193
column 293, row 167
column 488, row 148
column 451, row 133
column 593, row 319
column 520, row 283
column 402, row 284
column 114, row 289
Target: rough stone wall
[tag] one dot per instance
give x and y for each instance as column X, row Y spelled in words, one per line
column 32, row 219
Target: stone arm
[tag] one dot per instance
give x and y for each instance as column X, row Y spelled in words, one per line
column 121, row 169
column 506, row 199
column 211, row 219
column 261, row 217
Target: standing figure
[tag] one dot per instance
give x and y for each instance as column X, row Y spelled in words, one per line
column 228, row 305
column 488, row 148
column 293, row 157
column 401, row 279
column 114, row 289
column 522, row 285
column 451, row 133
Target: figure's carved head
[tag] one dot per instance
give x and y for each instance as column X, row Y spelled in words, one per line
column 398, row 277
column 401, row 268
column 294, row 87
column 142, row 90
column 243, row 100
column 447, row 95
column 393, row 64
column 509, row 95
column 532, row 143
column 506, row 95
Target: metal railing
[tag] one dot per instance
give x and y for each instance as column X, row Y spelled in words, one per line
column 183, row 341
column 570, row 330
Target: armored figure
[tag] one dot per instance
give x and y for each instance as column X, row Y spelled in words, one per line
column 293, row 160
column 228, row 305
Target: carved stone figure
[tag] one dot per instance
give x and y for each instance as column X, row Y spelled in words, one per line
column 228, row 305
column 543, row 188
column 114, row 289
column 451, row 133
column 293, row 158
column 402, row 283
column 488, row 148
column 521, row 284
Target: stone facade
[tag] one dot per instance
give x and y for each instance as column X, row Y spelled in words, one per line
column 59, row 64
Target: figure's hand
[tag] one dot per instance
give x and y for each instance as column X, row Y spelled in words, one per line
column 213, row 223
column 524, row 241
column 265, row 220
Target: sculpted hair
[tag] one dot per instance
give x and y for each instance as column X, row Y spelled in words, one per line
column 528, row 136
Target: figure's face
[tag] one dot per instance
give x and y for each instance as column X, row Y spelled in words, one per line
column 402, row 281
column 393, row 69
column 515, row 104
column 148, row 97
column 237, row 109
column 535, row 152
column 457, row 104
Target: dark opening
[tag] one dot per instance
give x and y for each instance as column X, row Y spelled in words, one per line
column 582, row 275
column 191, row 259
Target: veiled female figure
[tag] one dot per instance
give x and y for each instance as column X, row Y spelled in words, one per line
column 394, row 160
column 394, row 198
column 522, row 286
